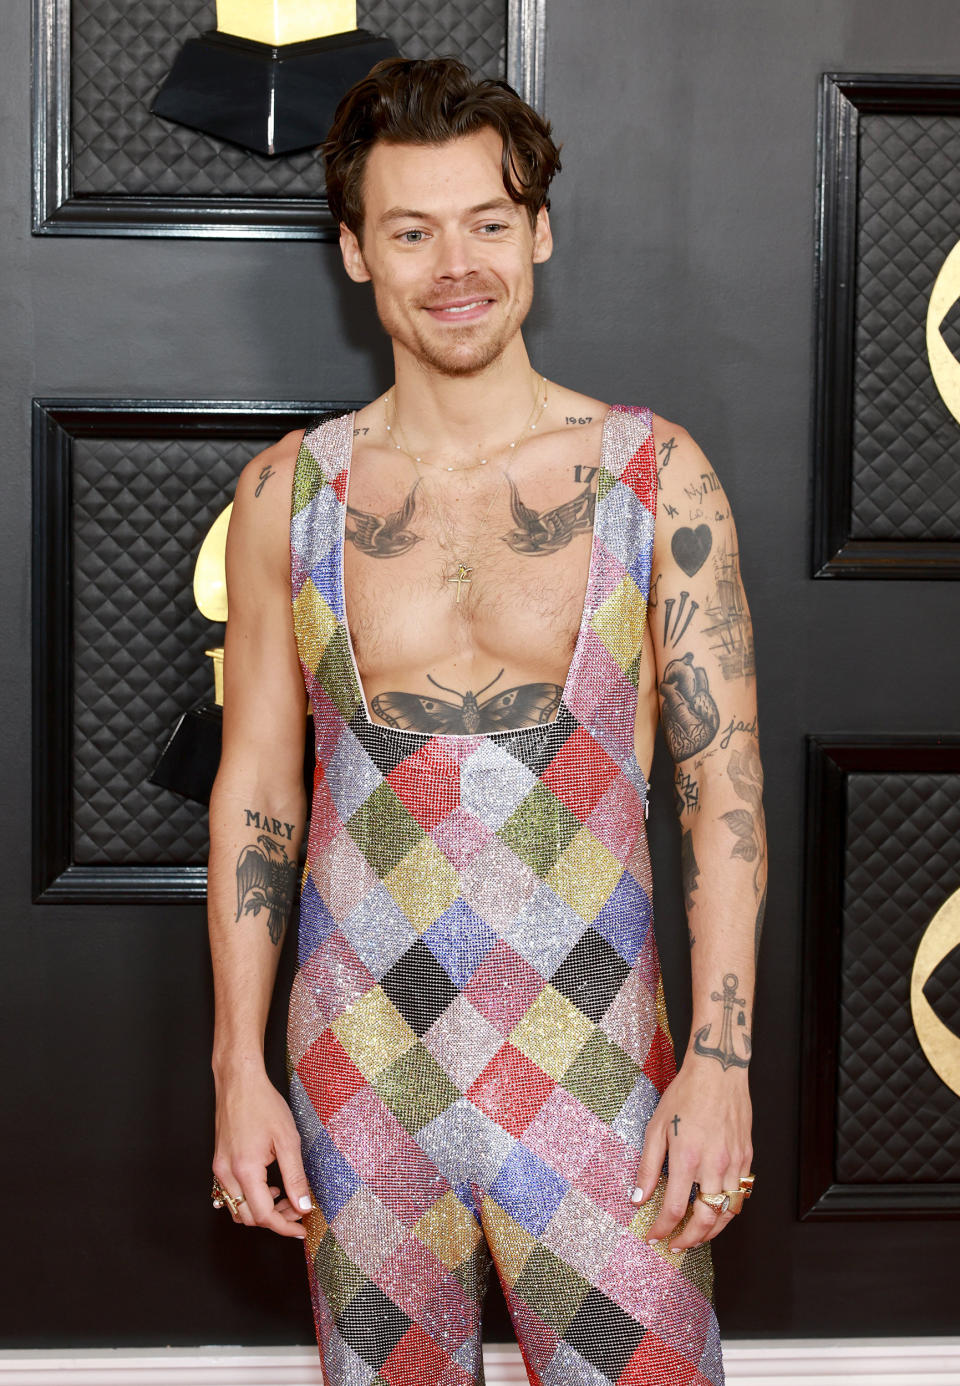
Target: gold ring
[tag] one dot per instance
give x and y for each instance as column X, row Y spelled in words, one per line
column 746, row 1184
column 220, row 1198
column 719, row 1202
column 727, row 1201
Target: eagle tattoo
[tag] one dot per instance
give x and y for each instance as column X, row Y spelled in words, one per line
column 265, row 880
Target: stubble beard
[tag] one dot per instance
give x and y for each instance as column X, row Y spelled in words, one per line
column 464, row 351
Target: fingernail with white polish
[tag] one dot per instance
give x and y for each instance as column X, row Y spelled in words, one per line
column 306, row 1203
column 637, row 1196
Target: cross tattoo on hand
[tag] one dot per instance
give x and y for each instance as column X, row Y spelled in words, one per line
column 460, row 576
column 675, row 1122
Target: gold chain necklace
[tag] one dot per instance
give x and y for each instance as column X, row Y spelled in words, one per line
column 464, row 569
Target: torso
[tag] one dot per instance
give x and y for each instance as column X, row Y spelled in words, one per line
column 515, row 627
column 520, row 613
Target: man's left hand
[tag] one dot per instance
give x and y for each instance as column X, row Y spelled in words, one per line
column 703, row 1120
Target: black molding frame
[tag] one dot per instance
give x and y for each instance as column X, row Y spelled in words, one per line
column 57, row 212
column 829, row 760
column 56, row 877
column 843, row 99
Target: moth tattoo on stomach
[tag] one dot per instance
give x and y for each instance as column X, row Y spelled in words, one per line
column 529, row 704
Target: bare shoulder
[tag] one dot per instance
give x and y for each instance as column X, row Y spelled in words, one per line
column 270, row 471
column 680, row 459
column 260, row 521
column 570, row 407
column 690, row 493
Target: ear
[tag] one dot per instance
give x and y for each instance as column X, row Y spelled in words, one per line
column 542, row 237
column 353, row 260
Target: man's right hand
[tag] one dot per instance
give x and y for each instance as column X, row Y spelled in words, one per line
column 255, row 1127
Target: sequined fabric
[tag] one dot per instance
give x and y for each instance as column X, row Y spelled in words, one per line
column 477, row 1031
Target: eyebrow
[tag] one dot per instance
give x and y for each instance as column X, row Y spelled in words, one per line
column 497, row 204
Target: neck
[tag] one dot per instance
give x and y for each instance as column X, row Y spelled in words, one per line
column 446, row 416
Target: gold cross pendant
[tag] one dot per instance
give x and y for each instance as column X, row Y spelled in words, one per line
column 459, row 577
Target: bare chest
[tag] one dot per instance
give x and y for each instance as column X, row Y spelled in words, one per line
column 493, row 577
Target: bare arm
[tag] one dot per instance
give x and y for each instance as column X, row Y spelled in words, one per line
column 257, row 815
column 703, row 644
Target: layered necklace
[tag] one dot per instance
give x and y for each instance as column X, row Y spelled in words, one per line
column 464, row 569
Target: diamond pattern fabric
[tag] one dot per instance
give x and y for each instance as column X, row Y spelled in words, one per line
column 123, row 50
column 477, row 1028
column 906, row 482
column 141, row 508
column 897, row 1122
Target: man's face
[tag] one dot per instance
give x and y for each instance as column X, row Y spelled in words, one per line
column 450, row 255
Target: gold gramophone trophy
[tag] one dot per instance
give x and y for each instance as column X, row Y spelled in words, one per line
column 189, row 761
column 270, row 75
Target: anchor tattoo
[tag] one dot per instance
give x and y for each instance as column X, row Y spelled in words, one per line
column 725, row 1051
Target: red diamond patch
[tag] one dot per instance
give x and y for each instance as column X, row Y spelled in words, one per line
column 511, row 1089
column 339, row 484
column 661, row 1064
column 640, row 472
column 580, row 773
column 329, row 1076
column 427, row 783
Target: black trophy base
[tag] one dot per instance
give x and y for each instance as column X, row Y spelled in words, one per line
column 189, row 762
column 273, row 100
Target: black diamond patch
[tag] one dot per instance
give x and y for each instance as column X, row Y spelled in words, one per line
column 558, row 734
column 603, row 1334
column 591, row 974
column 535, row 747
column 372, row 1325
column 419, row 987
column 385, row 747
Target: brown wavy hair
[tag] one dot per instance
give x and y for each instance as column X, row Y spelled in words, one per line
column 430, row 101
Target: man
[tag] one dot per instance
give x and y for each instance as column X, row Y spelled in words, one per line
column 484, row 617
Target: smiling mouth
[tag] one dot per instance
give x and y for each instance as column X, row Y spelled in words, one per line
column 473, row 308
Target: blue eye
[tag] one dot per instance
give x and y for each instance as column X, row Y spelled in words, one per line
column 405, row 235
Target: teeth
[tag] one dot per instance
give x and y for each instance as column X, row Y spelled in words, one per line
column 462, row 308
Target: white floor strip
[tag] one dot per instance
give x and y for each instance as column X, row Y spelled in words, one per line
column 759, row 1362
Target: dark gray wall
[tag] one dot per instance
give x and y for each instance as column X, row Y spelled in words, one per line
column 682, row 279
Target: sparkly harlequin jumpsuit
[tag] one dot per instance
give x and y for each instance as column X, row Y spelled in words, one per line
column 477, row 1030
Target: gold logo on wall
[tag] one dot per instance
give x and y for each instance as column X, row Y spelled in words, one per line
column 210, row 587
column 944, row 366
column 938, row 1042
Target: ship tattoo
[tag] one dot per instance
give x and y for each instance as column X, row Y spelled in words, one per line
column 729, row 628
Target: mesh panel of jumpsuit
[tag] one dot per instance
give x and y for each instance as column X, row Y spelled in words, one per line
column 477, row 1030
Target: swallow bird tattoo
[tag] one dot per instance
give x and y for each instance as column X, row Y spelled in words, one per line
column 384, row 536
column 546, row 531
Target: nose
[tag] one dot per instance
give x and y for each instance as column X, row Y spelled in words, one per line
column 456, row 257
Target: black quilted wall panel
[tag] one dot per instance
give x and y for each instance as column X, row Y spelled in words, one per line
column 141, row 508
column 121, row 51
column 906, row 443
column 896, row 1120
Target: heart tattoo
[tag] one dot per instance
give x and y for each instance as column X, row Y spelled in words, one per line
column 691, row 547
